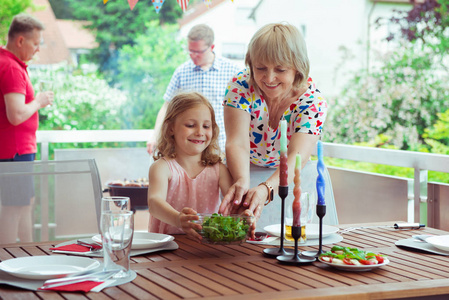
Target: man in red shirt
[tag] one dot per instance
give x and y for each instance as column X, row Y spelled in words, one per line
column 19, row 122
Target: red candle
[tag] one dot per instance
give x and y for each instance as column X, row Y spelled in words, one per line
column 283, row 165
column 296, row 207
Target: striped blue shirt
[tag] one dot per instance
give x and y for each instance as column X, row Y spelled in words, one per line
column 211, row 83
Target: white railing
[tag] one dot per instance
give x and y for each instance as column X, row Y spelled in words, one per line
column 420, row 162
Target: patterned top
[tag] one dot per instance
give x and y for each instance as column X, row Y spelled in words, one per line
column 211, row 83
column 306, row 115
column 201, row 193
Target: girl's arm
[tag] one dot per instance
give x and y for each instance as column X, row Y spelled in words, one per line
column 158, row 178
column 237, row 123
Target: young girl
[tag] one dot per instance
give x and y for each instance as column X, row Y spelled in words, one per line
column 186, row 177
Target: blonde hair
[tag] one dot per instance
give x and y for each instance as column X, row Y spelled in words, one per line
column 166, row 141
column 201, row 32
column 280, row 44
column 25, row 24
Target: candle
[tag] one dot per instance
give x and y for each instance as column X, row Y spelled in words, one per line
column 320, row 185
column 296, row 207
column 283, row 166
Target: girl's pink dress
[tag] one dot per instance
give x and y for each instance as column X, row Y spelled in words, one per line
column 201, row 193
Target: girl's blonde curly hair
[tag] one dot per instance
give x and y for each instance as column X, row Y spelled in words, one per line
column 166, row 141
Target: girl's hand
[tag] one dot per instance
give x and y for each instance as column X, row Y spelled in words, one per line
column 247, row 212
column 186, row 215
column 233, row 198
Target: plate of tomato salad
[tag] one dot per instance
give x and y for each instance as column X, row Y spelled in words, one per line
column 353, row 259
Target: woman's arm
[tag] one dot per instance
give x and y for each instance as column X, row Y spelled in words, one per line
column 225, row 181
column 158, row 178
column 301, row 143
column 237, row 124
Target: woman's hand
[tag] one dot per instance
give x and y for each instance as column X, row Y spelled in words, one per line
column 255, row 200
column 233, row 199
column 187, row 215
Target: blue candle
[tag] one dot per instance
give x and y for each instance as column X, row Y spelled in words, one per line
column 320, row 185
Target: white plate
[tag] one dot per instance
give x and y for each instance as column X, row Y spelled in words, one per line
column 357, row 268
column 312, row 230
column 144, row 240
column 47, row 267
column 439, row 241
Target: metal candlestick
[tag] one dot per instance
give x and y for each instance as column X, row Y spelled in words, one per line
column 295, row 258
column 274, row 252
column 320, row 212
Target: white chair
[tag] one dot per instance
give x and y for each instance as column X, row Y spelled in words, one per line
column 271, row 213
column 67, row 196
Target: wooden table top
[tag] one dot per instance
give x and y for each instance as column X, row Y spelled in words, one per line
column 242, row 272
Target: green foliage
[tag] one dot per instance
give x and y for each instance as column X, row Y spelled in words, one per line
column 402, row 96
column 145, row 69
column 81, row 102
column 8, row 9
column 224, row 229
column 116, row 25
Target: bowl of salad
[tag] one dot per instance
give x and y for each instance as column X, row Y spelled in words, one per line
column 223, row 230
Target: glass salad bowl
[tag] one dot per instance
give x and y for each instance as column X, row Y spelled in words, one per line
column 224, row 230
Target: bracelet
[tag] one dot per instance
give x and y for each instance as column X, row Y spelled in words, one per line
column 270, row 192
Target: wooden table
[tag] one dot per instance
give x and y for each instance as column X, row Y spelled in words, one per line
column 242, row 272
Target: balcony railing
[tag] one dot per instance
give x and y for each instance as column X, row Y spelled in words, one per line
column 420, row 162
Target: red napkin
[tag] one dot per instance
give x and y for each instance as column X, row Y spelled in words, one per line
column 84, row 286
column 72, row 247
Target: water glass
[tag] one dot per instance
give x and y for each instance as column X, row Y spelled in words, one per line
column 115, row 204
column 307, row 205
column 117, row 228
column 45, row 86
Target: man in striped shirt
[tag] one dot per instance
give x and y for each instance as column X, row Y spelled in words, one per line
column 205, row 73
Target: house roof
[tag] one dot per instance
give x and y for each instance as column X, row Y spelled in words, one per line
column 54, row 49
column 75, row 35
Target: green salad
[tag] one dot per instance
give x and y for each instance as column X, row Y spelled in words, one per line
column 225, row 229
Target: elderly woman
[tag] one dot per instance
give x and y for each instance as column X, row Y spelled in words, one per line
column 276, row 85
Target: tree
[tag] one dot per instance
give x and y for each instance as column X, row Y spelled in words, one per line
column 116, row 25
column 8, row 9
column 404, row 95
column 145, row 70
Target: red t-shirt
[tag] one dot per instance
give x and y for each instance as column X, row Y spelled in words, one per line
column 20, row 139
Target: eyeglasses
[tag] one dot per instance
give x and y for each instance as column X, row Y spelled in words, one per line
column 197, row 52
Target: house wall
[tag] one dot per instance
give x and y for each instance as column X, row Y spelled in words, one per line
column 336, row 32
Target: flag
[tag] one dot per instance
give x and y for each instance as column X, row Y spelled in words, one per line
column 157, row 4
column 183, row 4
column 132, row 3
column 207, row 2
column 105, row 1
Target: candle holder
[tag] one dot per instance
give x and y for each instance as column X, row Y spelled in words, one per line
column 275, row 252
column 295, row 258
column 320, row 212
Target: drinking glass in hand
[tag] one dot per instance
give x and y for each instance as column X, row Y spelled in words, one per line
column 117, row 228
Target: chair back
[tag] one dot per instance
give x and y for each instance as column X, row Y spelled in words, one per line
column 67, row 196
